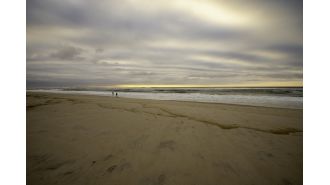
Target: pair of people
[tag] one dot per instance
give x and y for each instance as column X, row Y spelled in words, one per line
column 113, row 93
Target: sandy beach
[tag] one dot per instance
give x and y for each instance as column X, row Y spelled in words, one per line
column 83, row 139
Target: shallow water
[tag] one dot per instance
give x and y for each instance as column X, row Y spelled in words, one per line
column 268, row 97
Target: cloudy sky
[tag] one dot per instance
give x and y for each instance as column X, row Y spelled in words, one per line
column 164, row 42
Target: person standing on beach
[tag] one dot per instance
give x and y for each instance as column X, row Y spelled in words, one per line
column 116, row 94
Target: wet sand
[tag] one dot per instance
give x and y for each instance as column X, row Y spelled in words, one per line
column 80, row 139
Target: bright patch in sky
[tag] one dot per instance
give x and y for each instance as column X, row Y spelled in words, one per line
column 179, row 42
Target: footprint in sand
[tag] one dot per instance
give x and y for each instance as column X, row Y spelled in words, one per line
column 108, row 157
column 124, row 166
column 170, row 144
column 264, row 155
column 110, row 169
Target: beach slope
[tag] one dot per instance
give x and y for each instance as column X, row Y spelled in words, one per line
column 81, row 139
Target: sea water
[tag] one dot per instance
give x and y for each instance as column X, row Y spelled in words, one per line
column 267, row 97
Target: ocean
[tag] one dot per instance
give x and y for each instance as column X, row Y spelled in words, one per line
column 267, row 97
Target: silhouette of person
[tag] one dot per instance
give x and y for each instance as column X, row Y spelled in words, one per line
column 116, row 94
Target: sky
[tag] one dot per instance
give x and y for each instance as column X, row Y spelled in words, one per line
column 137, row 43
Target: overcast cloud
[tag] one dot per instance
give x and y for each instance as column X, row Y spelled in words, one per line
column 208, row 42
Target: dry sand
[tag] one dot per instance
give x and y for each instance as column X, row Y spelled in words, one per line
column 80, row 139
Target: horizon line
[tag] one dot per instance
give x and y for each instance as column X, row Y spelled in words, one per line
column 201, row 85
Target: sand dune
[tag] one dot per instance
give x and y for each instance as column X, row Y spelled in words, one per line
column 80, row 139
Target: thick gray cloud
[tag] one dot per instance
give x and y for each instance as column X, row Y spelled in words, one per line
column 210, row 42
column 67, row 53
